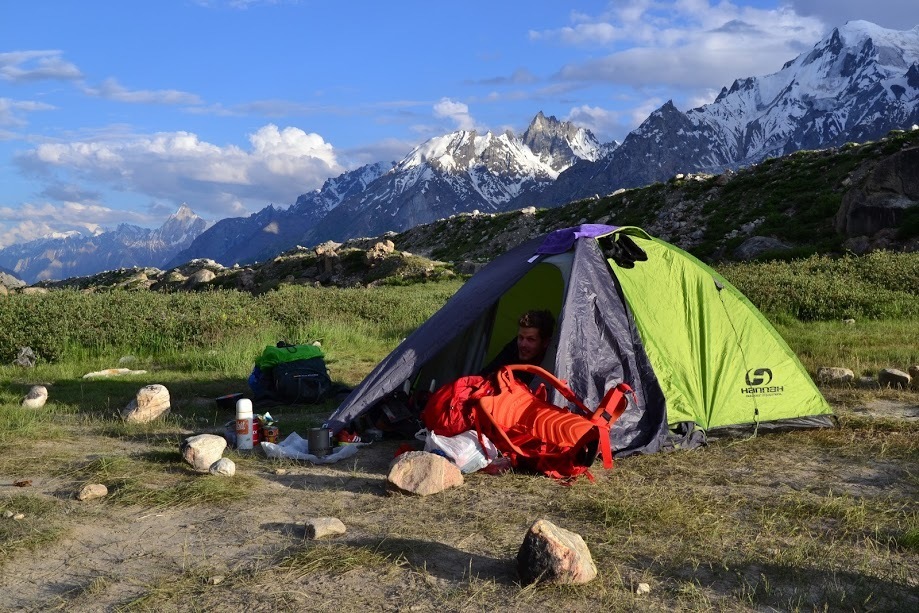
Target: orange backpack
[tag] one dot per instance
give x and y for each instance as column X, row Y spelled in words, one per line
column 540, row 436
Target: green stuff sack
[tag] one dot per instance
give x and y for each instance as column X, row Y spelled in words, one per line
column 272, row 355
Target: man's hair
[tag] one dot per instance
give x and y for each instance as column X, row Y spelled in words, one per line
column 541, row 320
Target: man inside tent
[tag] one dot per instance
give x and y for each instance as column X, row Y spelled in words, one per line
column 534, row 332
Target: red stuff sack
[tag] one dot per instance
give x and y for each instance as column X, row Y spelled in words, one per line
column 448, row 411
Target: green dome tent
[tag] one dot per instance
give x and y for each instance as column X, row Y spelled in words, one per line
column 630, row 308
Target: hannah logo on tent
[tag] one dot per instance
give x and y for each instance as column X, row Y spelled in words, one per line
column 759, row 376
column 758, row 380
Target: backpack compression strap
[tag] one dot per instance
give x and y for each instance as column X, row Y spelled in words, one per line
column 611, row 408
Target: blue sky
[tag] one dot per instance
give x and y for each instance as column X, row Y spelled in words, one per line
column 114, row 111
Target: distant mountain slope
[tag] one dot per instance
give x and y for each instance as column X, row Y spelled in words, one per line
column 272, row 230
column 126, row 246
column 458, row 172
column 856, row 85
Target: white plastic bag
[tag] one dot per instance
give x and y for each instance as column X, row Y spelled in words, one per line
column 463, row 449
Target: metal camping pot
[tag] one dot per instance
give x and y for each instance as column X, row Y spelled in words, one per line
column 319, row 441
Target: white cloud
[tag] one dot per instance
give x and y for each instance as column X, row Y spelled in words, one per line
column 11, row 111
column 112, row 90
column 455, row 111
column 30, row 221
column 684, row 44
column 601, row 122
column 24, row 66
column 179, row 167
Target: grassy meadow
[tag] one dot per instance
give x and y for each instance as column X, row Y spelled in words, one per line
column 800, row 521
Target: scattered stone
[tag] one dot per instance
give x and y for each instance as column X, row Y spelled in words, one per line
column 867, row 383
column 215, row 580
column 422, row 473
column 19, row 516
column 914, row 374
column 8, row 514
column 203, row 450
column 550, row 554
column 92, row 491
column 835, row 374
column 756, row 246
column 317, row 343
column 320, row 527
column 113, row 372
column 643, row 588
column 849, row 321
column 151, row 402
column 36, row 398
column 224, row 467
column 891, row 377
column 326, row 248
column 201, row 276
column 528, row 210
column 25, row 358
column 280, row 471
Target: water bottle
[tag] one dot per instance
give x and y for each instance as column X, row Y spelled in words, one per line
column 244, row 424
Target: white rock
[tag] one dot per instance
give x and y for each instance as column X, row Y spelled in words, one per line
column 8, row 514
column 319, row 527
column 423, row 473
column 19, row 516
column 36, row 397
column 151, row 402
column 224, row 467
column 203, row 450
column 92, row 491
column 643, row 588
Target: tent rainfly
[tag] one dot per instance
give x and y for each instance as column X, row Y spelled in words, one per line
column 630, row 308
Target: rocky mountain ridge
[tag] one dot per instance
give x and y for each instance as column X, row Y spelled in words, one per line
column 75, row 254
column 854, row 198
column 859, row 83
column 856, row 85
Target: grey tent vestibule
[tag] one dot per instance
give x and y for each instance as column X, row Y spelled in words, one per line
column 630, row 308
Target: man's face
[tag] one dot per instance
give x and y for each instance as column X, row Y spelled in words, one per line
column 530, row 345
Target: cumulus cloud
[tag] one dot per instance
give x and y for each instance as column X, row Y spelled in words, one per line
column 455, row 111
column 179, row 167
column 25, row 66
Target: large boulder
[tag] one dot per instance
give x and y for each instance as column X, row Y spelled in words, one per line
column 883, row 197
column 422, row 473
column 756, row 246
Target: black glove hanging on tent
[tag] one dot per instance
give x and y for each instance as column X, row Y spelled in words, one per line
column 623, row 250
